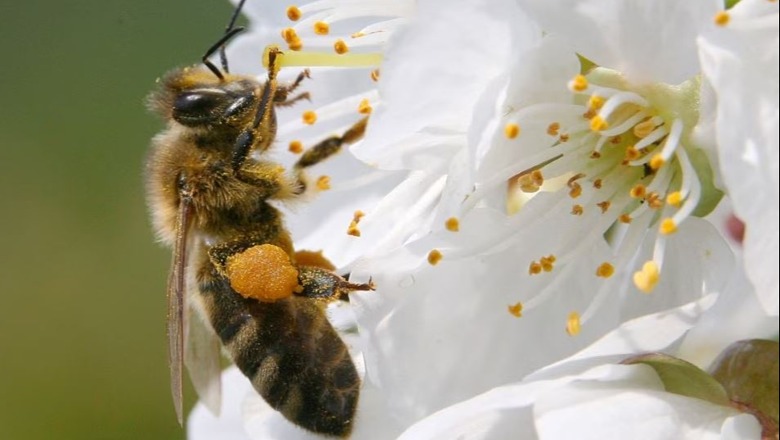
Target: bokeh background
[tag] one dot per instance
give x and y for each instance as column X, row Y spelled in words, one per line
column 82, row 282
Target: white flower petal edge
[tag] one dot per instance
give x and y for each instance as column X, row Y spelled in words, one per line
column 740, row 61
column 202, row 425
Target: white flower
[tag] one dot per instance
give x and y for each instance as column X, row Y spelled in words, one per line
column 740, row 59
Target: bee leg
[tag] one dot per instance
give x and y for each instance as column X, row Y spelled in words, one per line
column 327, row 148
column 322, row 284
column 294, row 99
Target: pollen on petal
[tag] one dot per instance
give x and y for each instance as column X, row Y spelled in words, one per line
column 547, row 263
column 323, row 183
column 295, row 44
column 722, row 18
column 295, row 147
column 668, row 226
column 638, row 191
column 575, row 190
column 605, row 270
column 365, row 107
column 353, row 225
column 511, row 130
column 597, row 183
column 434, row 257
column 579, row 83
column 531, row 182
column 309, row 117
column 289, row 34
column 674, row 198
column 340, row 47
column 452, row 224
column 293, row 13
column 516, row 309
column 321, row 28
column 646, row 279
column 597, row 123
column 573, row 326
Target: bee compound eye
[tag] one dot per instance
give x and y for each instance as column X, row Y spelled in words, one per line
column 198, row 107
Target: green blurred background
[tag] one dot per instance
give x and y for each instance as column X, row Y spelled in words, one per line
column 82, row 288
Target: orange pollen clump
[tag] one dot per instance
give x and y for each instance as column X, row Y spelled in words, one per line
column 452, row 224
column 295, row 147
column 625, row 218
column 295, row 45
column 353, row 229
column 375, row 75
column 534, row 268
column 654, row 200
column 553, row 128
column 575, row 191
column 309, row 117
column 604, row 206
column 516, row 310
column 639, row 191
column 293, row 13
column 262, row 272
column 605, row 270
column 547, row 263
column 364, row 107
column 573, row 324
column 323, row 183
column 434, row 257
column 511, row 130
column 722, row 18
column 577, row 210
column 340, row 47
column 289, row 34
column 321, row 28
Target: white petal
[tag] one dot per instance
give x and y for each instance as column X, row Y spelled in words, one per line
column 202, row 425
column 646, row 40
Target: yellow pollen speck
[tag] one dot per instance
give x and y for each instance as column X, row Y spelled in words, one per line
column 511, row 130
column 340, row 47
column 516, row 310
column 632, row 153
column 639, row 191
column 573, row 324
column 577, row 210
column 722, row 18
column 579, row 83
column 551, row 258
column 289, row 34
column 553, row 128
column 625, row 218
column 646, row 279
column 434, row 257
column 598, row 123
column 597, row 183
column 321, row 28
column 604, row 206
column 668, row 226
column 657, row 162
column 595, row 155
column 674, row 198
column 595, row 102
column 364, row 107
column 452, row 224
column 323, row 183
column 375, row 75
column 293, row 13
column 309, row 117
column 296, row 147
column 654, row 200
column 605, row 270
column 644, row 128
column 534, row 268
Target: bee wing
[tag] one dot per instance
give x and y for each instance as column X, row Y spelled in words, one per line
column 202, row 358
column 176, row 288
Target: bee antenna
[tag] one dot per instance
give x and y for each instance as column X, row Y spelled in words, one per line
column 230, row 32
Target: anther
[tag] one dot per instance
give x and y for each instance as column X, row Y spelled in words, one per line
column 595, row 102
column 632, row 153
column 340, row 47
column 375, row 75
column 605, row 270
column 511, row 130
column 597, row 123
column 295, row 147
column 654, row 200
column 516, row 310
column 668, row 226
column 365, row 107
column 323, row 183
column 452, row 224
column 604, row 206
column 625, row 218
column 722, row 18
column 646, row 279
column 579, row 83
column 597, row 183
column 644, row 128
column 573, row 325
column 434, row 257
column 674, row 198
column 289, row 34
column 293, row 13
column 321, row 28
column 534, row 268
column 657, row 162
column 639, row 191
column 577, row 210
column 309, row 117
column 553, row 128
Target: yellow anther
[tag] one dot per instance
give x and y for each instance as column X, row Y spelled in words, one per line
column 573, row 324
column 309, row 117
column 604, row 206
column 722, row 18
column 654, row 200
column 579, row 83
column 323, row 183
column 639, row 191
column 375, row 75
column 644, row 128
column 625, row 218
column 434, row 257
column 295, row 44
column 668, row 226
column 597, row 183
column 364, row 107
column 551, row 258
column 511, row 130
column 296, row 147
column 632, row 153
column 321, row 28
column 534, row 268
column 553, row 128
column 452, row 224
column 605, row 270
column 646, row 279
column 674, row 198
column 577, row 210
column 289, row 34
column 293, row 13
column 597, row 123
column 340, row 47
column 595, row 102
column 657, row 162
column 516, row 310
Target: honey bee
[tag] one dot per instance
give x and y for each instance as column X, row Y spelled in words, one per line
column 235, row 278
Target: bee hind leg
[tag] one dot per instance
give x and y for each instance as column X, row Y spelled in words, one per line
column 318, row 283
